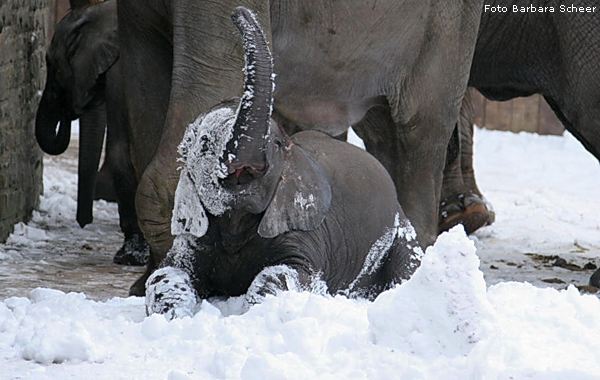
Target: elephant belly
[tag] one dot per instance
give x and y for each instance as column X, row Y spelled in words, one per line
column 335, row 60
column 332, row 117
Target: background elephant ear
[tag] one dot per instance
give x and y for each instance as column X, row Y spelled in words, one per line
column 93, row 49
column 302, row 198
column 189, row 216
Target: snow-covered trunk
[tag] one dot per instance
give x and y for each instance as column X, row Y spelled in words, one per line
column 246, row 149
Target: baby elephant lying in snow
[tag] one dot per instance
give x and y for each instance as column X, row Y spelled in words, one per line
column 257, row 211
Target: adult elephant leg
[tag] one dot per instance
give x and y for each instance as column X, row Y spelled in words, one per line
column 93, row 125
column 154, row 204
column 424, row 105
column 462, row 202
column 587, row 131
column 414, row 157
column 146, row 58
column 135, row 250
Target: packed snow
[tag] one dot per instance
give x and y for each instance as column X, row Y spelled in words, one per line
column 495, row 305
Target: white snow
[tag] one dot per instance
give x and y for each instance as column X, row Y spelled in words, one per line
column 304, row 203
column 457, row 318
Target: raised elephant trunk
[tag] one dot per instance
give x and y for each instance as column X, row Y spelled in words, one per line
column 49, row 114
column 247, row 148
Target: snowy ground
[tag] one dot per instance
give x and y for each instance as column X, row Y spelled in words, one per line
column 52, row 251
column 490, row 307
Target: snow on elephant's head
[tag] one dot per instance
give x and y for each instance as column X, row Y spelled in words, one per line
column 201, row 153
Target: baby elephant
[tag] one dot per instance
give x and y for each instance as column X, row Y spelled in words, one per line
column 257, row 211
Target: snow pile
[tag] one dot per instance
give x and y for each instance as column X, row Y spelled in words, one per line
column 440, row 324
column 442, row 309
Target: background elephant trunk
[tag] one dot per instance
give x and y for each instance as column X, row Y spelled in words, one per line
column 50, row 113
column 251, row 128
column 92, row 126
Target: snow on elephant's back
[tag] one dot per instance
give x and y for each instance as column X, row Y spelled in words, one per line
column 443, row 309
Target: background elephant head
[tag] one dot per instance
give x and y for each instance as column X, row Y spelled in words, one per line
column 83, row 49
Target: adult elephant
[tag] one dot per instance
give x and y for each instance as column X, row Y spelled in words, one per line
column 84, row 81
column 336, row 61
column 556, row 56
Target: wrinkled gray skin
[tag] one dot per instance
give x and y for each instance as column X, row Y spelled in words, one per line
column 552, row 54
column 302, row 211
column 84, row 81
column 336, row 61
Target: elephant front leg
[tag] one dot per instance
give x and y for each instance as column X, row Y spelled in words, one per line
column 414, row 156
column 170, row 290
column 275, row 279
column 154, row 205
column 135, row 250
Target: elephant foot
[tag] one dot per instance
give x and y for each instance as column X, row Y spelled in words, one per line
column 135, row 251
column 272, row 280
column 470, row 210
column 169, row 292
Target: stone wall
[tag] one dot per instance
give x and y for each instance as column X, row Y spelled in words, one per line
column 23, row 37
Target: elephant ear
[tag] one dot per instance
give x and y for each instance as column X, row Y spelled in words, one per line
column 189, row 216
column 92, row 49
column 302, row 198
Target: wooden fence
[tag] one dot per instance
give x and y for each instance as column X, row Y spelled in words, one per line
column 530, row 114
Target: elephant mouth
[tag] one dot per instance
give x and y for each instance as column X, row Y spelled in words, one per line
column 244, row 174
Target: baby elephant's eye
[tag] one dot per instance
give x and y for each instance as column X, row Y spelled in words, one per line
column 204, row 144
